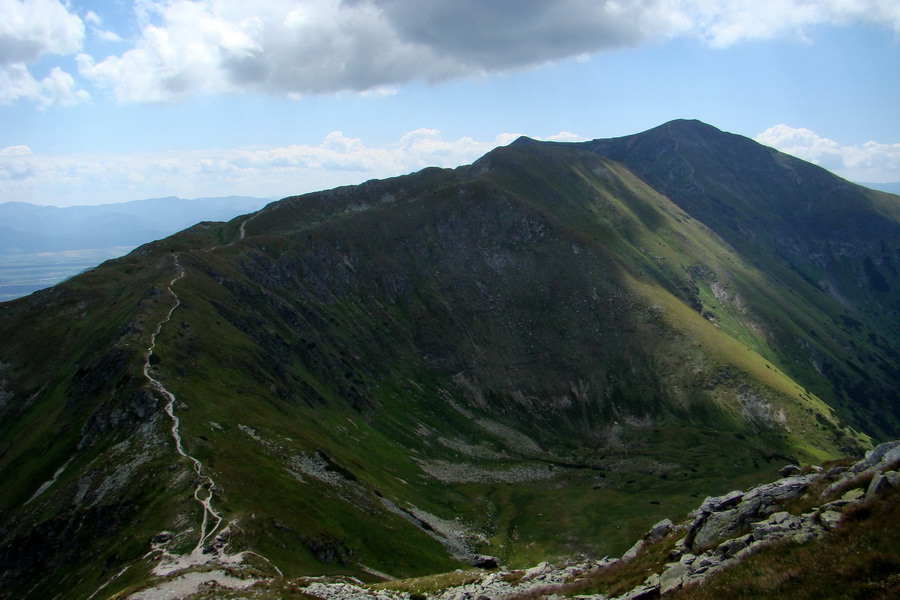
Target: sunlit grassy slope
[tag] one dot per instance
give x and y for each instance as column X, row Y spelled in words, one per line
column 828, row 250
column 534, row 356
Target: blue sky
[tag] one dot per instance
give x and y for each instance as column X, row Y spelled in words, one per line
column 120, row 100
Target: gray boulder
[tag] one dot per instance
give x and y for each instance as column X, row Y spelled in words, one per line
column 660, row 530
column 722, row 516
column 835, row 471
column 886, row 452
column 673, row 577
column 788, row 470
column 850, row 497
column 705, row 562
column 717, row 526
column 717, row 503
column 779, row 524
column 830, row 519
column 893, row 478
column 878, row 484
column 538, row 570
column 633, row 551
column 483, row 561
column 729, row 548
column 649, row 589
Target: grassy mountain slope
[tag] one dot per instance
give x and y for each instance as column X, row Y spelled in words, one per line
column 532, row 356
column 832, row 245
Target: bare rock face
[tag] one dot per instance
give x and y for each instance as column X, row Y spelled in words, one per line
column 723, row 516
column 885, row 453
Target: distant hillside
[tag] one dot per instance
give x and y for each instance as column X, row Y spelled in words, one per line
column 42, row 245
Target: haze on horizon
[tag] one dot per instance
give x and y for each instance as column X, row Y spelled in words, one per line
column 107, row 102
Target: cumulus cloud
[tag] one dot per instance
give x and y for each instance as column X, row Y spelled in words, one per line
column 871, row 161
column 28, row 31
column 96, row 23
column 31, row 29
column 57, row 88
column 566, row 136
column 197, row 47
column 727, row 22
column 279, row 171
column 15, row 151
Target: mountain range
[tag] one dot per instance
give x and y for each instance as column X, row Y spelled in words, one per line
column 42, row 245
column 892, row 186
column 533, row 356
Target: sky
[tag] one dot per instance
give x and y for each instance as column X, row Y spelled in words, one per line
column 117, row 100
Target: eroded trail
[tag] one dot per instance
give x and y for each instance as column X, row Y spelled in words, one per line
column 203, row 493
column 182, row 575
column 188, row 572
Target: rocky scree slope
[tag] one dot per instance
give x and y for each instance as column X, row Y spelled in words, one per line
column 386, row 379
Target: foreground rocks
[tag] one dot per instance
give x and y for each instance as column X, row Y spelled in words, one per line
column 726, row 529
column 721, row 532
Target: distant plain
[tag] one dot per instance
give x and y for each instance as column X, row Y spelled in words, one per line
column 41, row 246
column 24, row 273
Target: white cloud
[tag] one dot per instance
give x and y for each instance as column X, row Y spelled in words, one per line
column 283, row 47
column 93, row 18
column 187, row 48
column 566, row 136
column 106, row 35
column 280, row 171
column 16, row 82
column 15, row 151
column 58, row 88
column 96, row 23
column 29, row 30
column 32, row 28
column 871, row 161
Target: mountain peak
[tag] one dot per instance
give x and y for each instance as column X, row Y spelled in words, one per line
column 689, row 125
column 524, row 140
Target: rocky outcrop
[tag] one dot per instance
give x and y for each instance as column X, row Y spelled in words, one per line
column 721, row 532
column 725, row 529
column 724, row 516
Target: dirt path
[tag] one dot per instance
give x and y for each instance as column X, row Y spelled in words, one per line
column 211, row 521
column 242, row 231
column 203, row 493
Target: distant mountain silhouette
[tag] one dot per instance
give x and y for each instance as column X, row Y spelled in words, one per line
column 890, row 187
column 43, row 245
column 28, row 228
